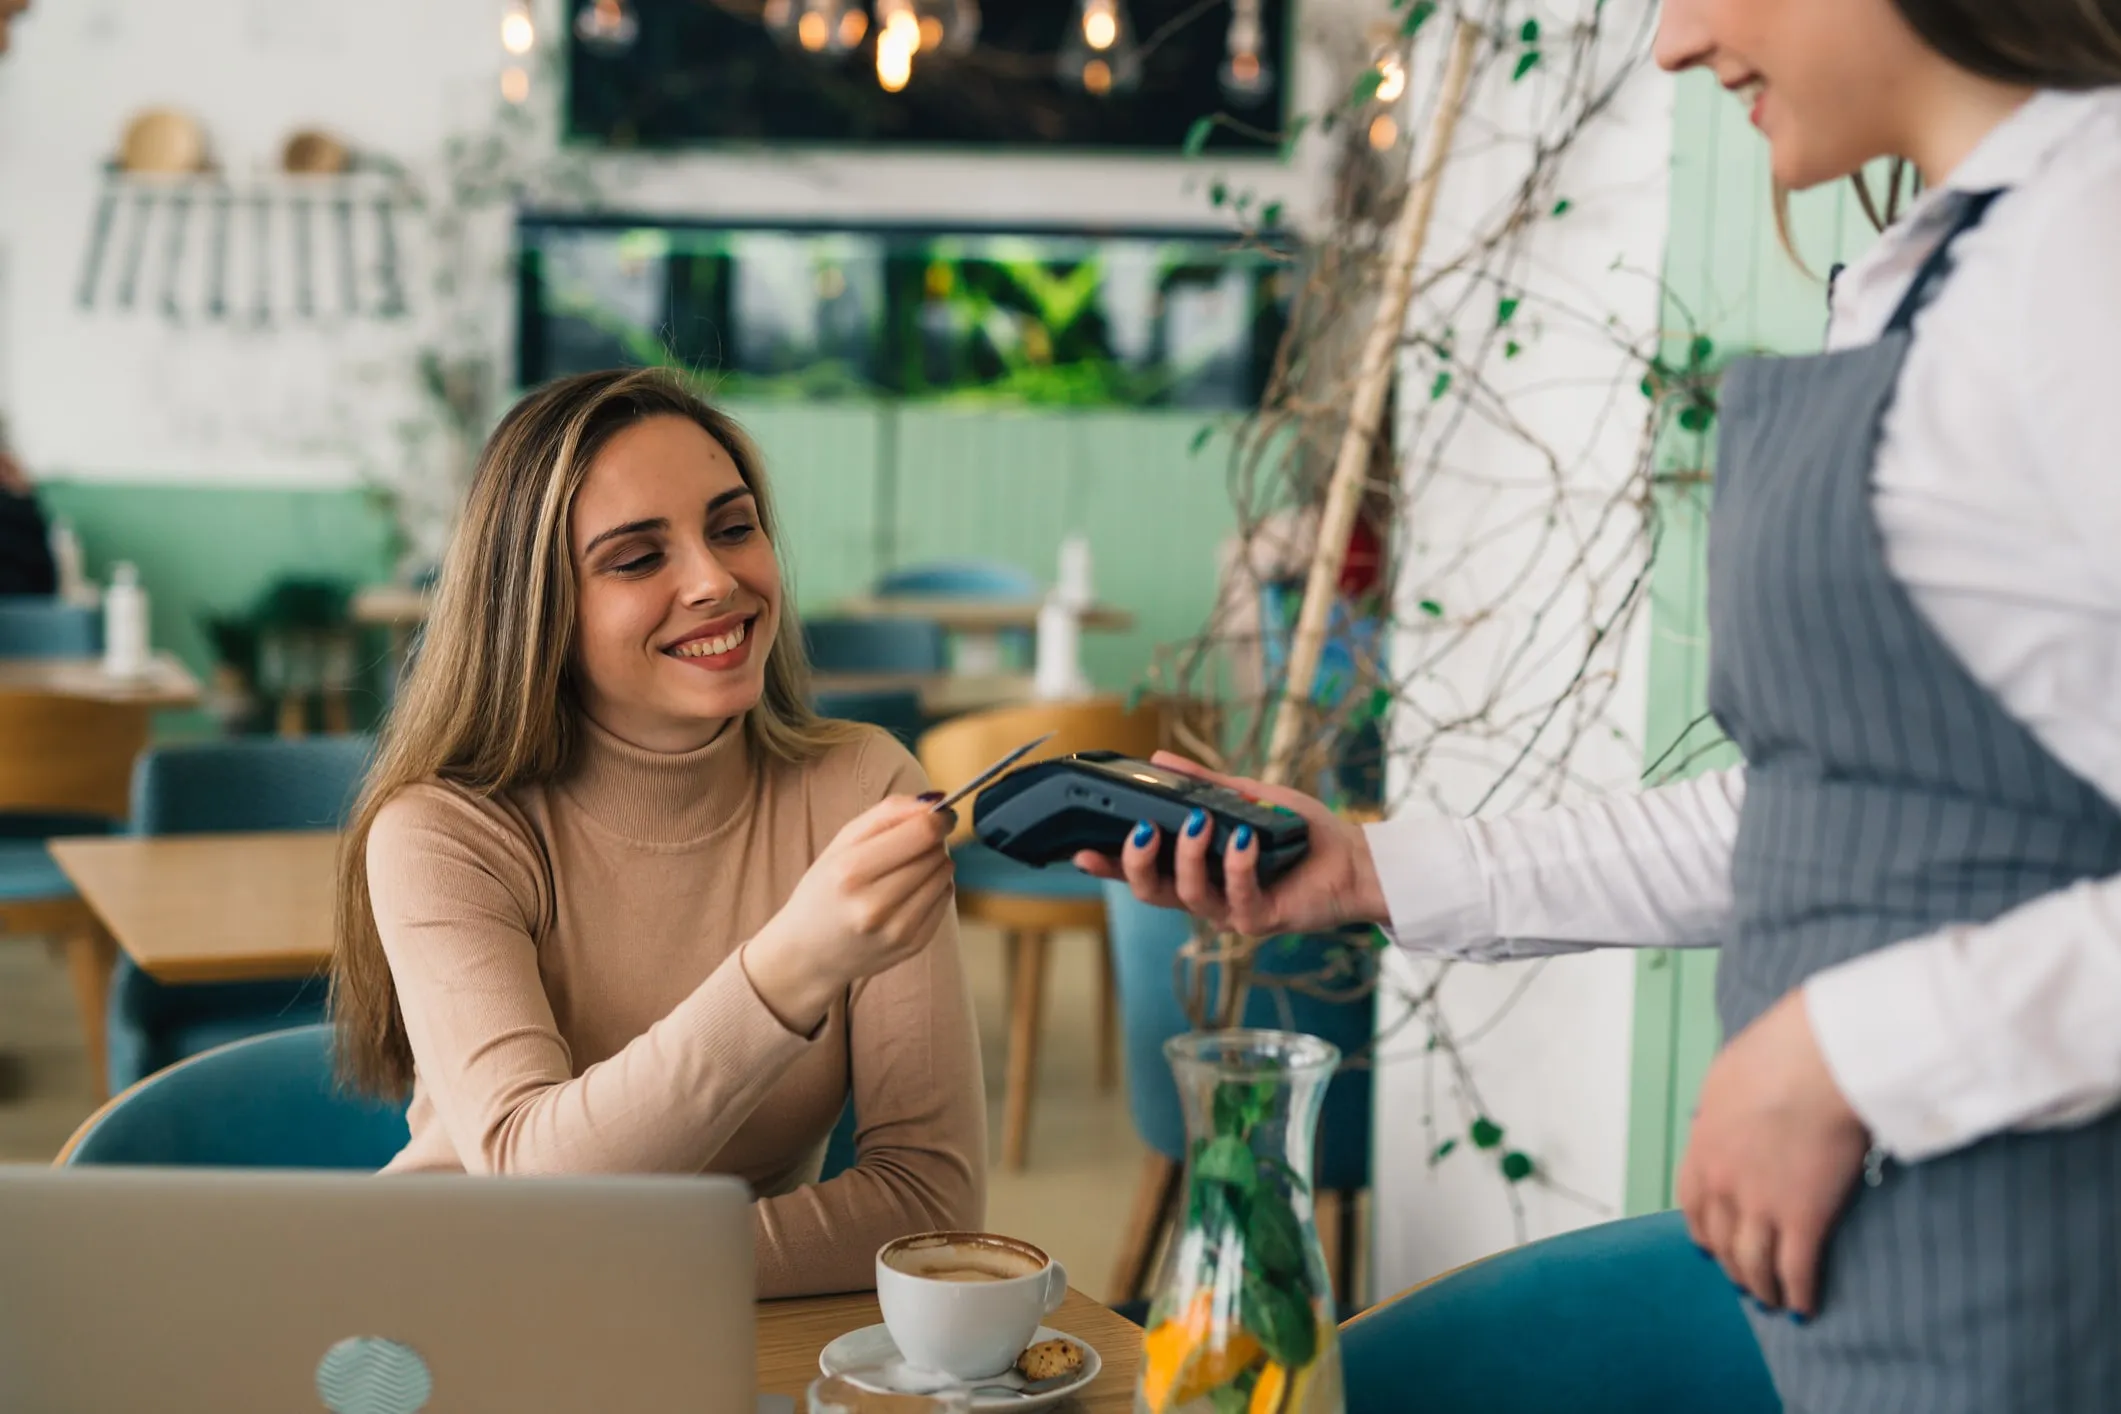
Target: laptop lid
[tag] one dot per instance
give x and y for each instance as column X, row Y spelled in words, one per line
column 200, row 1291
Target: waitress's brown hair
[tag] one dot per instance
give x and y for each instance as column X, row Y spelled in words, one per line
column 491, row 702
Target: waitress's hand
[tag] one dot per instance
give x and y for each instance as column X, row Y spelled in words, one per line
column 1335, row 884
column 1774, row 1152
column 869, row 901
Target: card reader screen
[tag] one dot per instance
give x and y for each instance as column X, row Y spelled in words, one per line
column 1149, row 775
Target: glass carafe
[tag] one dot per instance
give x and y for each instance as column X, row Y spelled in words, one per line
column 1242, row 1317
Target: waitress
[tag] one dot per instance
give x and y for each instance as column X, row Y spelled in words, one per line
column 1915, row 617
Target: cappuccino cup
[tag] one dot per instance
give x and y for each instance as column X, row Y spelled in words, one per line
column 965, row 1304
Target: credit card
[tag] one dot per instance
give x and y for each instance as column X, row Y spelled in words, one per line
column 991, row 772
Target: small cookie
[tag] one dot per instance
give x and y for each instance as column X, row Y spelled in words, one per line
column 1049, row 1360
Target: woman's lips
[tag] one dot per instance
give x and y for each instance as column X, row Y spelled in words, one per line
column 718, row 652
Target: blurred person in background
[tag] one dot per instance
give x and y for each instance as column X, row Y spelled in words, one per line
column 25, row 540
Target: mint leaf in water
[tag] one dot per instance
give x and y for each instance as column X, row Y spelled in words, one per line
column 1281, row 1320
column 1274, row 1241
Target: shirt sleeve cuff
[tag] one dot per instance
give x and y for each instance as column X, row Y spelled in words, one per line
column 1434, row 889
column 1893, row 1052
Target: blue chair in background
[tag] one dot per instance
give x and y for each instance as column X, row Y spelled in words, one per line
column 897, row 712
column 64, row 773
column 1620, row 1318
column 34, row 626
column 960, row 579
column 1145, row 943
column 844, row 645
column 269, row 1101
column 980, row 652
column 839, row 1149
column 253, row 783
column 1027, row 904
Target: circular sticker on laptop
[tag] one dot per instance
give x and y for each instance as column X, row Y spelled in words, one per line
column 366, row 1374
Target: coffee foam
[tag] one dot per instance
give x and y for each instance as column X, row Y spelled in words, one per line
column 965, row 1258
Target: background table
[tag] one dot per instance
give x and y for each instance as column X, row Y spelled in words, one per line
column 212, row 908
column 166, row 683
column 941, row 694
column 791, row 1333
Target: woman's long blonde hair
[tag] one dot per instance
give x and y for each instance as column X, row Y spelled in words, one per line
column 491, row 703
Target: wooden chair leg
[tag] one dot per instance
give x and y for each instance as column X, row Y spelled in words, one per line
column 1333, row 1218
column 1024, row 1009
column 1107, row 1017
column 1349, row 1291
column 1156, row 1200
column 1339, row 1232
column 91, row 956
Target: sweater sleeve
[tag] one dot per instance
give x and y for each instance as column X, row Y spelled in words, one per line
column 919, row 1103
column 457, row 897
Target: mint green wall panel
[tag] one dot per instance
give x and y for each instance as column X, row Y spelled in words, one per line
column 822, row 460
column 1729, row 278
column 1010, row 487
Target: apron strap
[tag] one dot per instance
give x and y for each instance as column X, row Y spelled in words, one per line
column 1972, row 207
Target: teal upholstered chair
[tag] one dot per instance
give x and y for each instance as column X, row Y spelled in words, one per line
column 66, row 774
column 897, row 712
column 252, row 783
column 34, row 626
column 857, row 645
column 959, row 579
column 969, row 579
column 268, row 1101
column 1145, row 943
column 1030, row 905
column 1625, row 1317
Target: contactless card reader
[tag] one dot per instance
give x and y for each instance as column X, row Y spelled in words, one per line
column 1048, row 810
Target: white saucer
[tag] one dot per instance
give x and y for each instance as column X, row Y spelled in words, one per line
column 872, row 1351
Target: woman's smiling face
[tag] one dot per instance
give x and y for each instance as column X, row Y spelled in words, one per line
column 1826, row 81
column 677, row 589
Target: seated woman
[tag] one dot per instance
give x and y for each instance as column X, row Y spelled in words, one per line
column 614, row 900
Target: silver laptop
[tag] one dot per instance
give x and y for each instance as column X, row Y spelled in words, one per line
column 199, row 1291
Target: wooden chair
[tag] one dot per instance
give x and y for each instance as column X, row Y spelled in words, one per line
column 1030, row 905
column 65, row 767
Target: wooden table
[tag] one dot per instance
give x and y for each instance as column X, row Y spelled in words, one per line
column 791, row 1333
column 69, row 734
column 978, row 623
column 166, row 683
column 942, row 694
column 974, row 615
column 212, row 908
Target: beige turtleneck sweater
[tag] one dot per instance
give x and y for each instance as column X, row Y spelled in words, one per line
column 566, row 957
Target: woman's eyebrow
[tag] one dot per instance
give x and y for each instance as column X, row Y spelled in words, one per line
column 629, row 528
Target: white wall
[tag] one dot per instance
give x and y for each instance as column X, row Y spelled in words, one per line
column 1554, row 1072
column 130, row 396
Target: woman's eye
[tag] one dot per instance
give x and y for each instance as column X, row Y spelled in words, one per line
column 735, row 534
column 638, row 563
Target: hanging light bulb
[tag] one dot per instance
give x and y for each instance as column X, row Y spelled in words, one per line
column 898, row 39
column 1246, row 76
column 519, row 34
column 1098, row 52
column 819, row 26
column 947, row 25
column 1391, row 79
column 608, row 26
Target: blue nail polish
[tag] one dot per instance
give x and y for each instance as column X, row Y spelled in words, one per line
column 1143, row 833
column 1196, row 822
column 1796, row 1318
column 1242, row 840
column 1706, row 1255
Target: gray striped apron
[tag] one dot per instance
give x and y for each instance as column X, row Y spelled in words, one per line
column 1889, row 794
